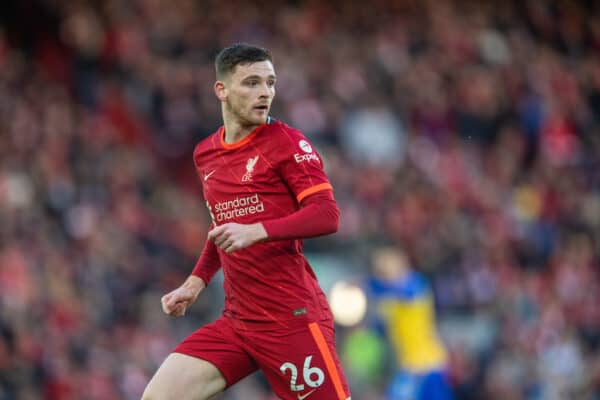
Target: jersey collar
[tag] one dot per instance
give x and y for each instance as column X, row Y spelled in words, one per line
column 239, row 143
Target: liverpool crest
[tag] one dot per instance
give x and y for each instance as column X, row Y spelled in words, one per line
column 249, row 169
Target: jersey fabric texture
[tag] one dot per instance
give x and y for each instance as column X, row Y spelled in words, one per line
column 263, row 177
column 276, row 316
column 298, row 363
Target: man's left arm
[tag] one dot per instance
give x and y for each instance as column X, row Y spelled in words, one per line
column 318, row 215
column 301, row 167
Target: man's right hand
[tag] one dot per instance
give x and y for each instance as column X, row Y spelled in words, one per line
column 176, row 302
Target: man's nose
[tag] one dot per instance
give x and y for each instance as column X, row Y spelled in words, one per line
column 265, row 90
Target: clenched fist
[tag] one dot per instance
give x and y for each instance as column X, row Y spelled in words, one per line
column 175, row 303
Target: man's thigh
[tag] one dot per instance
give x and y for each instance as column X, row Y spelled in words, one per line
column 181, row 377
column 203, row 364
column 301, row 364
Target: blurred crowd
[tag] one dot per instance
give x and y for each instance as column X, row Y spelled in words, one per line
column 466, row 132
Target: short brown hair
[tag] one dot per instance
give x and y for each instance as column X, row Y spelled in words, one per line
column 239, row 53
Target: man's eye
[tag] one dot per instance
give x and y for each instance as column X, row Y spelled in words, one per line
column 252, row 83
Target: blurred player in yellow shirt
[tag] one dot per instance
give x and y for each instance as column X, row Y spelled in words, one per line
column 406, row 315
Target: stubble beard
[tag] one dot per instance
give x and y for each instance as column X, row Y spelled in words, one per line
column 244, row 119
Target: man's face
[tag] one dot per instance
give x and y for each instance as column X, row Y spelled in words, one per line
column 249, row 91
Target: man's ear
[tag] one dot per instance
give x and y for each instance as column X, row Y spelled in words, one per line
column 220, row 90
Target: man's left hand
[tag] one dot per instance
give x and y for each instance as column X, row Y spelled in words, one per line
column 231, row 236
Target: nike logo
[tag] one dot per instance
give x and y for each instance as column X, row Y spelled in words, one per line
column 305, row 395
column 206, row 176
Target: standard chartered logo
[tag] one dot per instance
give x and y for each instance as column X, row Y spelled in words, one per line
column 238, row 207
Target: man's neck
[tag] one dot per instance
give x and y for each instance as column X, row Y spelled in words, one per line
column 234, row 130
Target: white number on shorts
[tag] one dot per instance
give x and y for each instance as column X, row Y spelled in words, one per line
column 307, row 374
column 293, row 387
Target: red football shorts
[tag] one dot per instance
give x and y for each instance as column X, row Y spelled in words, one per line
column 299, row 364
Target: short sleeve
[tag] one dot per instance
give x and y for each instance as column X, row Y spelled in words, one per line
column 300, row 165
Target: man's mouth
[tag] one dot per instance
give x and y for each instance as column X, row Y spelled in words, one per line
column 263, row 107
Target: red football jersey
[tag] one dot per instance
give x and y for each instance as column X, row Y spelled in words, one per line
column 264, row 176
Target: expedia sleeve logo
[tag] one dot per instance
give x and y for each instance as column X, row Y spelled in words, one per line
column 308, row 150
column 304, row 145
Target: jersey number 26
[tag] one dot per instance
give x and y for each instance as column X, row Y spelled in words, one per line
column 307, row 375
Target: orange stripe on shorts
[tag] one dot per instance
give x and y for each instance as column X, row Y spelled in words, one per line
column 329, row 363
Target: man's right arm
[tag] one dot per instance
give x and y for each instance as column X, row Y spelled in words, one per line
column 208, row 263
column 176, row 302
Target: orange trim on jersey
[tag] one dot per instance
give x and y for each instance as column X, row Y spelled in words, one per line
column 329, row 363
column 239, row 143
column 313, row 189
